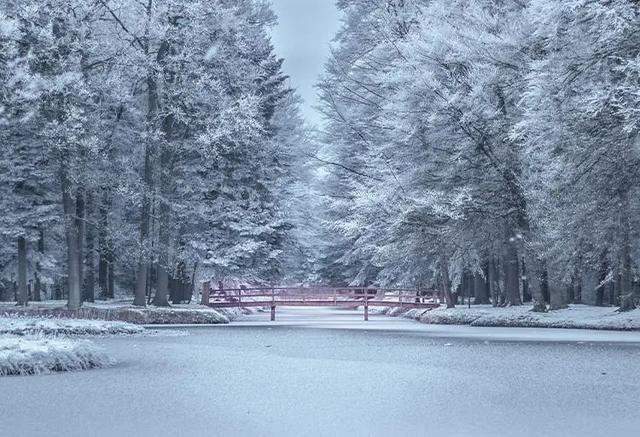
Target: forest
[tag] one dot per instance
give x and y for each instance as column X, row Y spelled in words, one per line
column 489, row 149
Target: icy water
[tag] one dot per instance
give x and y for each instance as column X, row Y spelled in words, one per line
column 324, row 372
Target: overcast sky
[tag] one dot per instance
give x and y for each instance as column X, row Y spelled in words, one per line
column 302, row 38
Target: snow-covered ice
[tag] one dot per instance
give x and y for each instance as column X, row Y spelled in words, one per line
column 387, row 377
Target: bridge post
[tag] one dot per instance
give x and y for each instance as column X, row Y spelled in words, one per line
column 273, row 313
column 366, row 305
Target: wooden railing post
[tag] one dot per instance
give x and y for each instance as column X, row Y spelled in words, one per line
column 273, row 305
column 366, row 305
column 205, row 298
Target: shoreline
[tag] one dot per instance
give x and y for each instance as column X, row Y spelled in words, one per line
column 576, row 316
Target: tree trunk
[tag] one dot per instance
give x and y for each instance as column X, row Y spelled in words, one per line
column 526, row 289
column 23, row 296
column 164, row 237
column 162, row 290
column 446, row 283
column 480, row 289
column 89, row 285
column 102, row 275
column 627, row 302
column 145, row 219
column 558, row 296
column 81, row 224
column 494, row 285
column 534, row 279
column 105, row 245
column 625, row 290
column 37, row 285
column 511, row 275
column 111, row 276
column 71, row 233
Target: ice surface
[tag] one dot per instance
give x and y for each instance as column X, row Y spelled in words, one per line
column 325, row 372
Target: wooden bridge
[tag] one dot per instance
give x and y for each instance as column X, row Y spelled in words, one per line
column 347, row 297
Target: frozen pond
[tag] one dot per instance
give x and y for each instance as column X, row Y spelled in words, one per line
column 324, row 372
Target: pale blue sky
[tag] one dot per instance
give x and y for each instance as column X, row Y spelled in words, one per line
column 302, row 37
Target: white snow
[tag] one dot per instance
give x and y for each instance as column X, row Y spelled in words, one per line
column 36, row 355
column 123, row 310
column 33, row 345
column 19, row 325
column 576, row 316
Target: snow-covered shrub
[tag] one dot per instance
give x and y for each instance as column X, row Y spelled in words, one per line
column 37, row 355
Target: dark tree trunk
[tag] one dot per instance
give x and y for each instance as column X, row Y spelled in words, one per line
column 89, row 286
column 544, row 284
column 625, row 297
column 23, row 294
column 145, row 220
column 526, row 291
column 71, row 232
column 81, row 224
column 494, row 284
column 558, row 296
column 511, row 275
column 446, row 283
column 535, row 285
column 145, row 223
column 105, row 246
column 480, row 289
column 37, row 285
column 111, row 277
column 577, row 290
column 164, row 237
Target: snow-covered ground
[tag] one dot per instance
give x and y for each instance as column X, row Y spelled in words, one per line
column 33, row 345
column 575, row 317
column 22, row 325
column 122, row 310
column 37, row 355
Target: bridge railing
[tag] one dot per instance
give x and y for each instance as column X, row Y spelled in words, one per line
column 319, row 296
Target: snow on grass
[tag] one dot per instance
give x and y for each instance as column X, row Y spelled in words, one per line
column 124, row 311
column 31, row 356
column 576, row 317
column 21, row 325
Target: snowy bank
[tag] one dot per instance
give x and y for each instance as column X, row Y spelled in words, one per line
column 125, row 312
column 576, row 317
column 29, row 356
column 17, row 324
